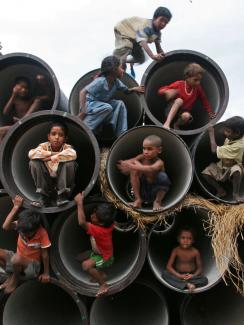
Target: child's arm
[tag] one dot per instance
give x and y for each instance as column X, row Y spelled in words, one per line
column 8, row 223
column 7, row 108
column 40, row 153
column 82, row 102
column 159, row 48
column 45, row 277
column 68, row 154
column 212, row 139
column 198, row 264
column 156, row 57
column 139, row 89
column 79, row 199
column 136, row 165
column 170, row 265
column 205, row 102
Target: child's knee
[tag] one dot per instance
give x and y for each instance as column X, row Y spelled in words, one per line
column 87, row 265
column 186, row 117
column 16, row 260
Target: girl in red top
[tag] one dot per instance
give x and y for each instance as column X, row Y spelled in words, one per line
column 184, row 93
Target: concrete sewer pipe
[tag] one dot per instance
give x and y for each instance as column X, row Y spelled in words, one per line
column 132, row 102
column 221, row 305
column 160, row 247
column 171, row 69
column 2, row 190
column 138, row 304
column 31, row 131
column 51, row 303
column 176, row 156
column 15, row 65
column 202, row 157
column 69, row 240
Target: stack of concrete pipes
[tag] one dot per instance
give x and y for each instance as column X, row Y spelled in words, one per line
column 138, row 294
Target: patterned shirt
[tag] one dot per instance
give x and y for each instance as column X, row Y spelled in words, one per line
column 232, row 149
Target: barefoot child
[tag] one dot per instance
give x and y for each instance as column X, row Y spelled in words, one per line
column 149, row 181
column 98, row 108
column 53, row 167
column 230, row 165
column 100, row 230
column 32, row 248
column 183, row 94
column 184, row 268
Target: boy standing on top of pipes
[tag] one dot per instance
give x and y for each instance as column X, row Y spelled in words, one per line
column 132, row 36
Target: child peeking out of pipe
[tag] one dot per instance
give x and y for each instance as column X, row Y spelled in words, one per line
column 132, row 36
column 98, row 108
column 184, row 267
column 182, row 95
column 230, row 165
column 148, row 179
column 22, row 103
column 100, row 230
column 32, row 248
column 53, row 167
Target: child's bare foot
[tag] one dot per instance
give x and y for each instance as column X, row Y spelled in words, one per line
column 103, row 275
column 157, row 206
column 191, row 287
column 102, row 290
column 11, row 286
column 221, row 193
column 166, row 126
column 238, row 199
column 5, row 283
column 136, row 204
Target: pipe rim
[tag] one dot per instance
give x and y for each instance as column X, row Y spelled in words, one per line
column 217, row 68
column 46, row 67
column 48, row 113
column 64, row 275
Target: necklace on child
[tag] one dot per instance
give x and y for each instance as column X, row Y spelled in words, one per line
column 188, row 93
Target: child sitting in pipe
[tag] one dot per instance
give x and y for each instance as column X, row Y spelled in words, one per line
column 149, row 181
column 53, row 167
column 132, row 36
column 32, row 248
column 230, row 165
column 97, row 106
column 182, row 95
column 100, row 230
column 184, row 267
column 21, row 103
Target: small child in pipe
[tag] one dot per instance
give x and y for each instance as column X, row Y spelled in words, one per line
column 97, row 106
column 230, row 165
column 32, row 248
column 184, row 267
column 149, row 181
column 182, row 95
column 21, row 103
column 100, row 230
column 53, row 167
column 132, row 36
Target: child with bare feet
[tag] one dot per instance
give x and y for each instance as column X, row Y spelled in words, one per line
column 182, row 95
column 230, row 165
column 184, row 268
column 148, row 179
column 100, row 230
column 32, row 248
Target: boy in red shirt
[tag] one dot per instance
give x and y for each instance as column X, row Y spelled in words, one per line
column 32, row 247
column 100, row 230
column 183, row 94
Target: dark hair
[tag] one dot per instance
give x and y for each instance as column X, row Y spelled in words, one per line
column 105, row 214
column 192, row 70
column 59, row 124
column 162, row 12
column 109, row 65
column 186, row 228
column 29, row 221
column 22, row 79
column 155, row 140
column 236, row 124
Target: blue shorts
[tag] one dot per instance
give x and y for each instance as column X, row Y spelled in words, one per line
column 149, row 191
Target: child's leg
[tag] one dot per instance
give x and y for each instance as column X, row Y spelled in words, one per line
column 170, row 94
column 236, row 180
column 135, row 183
column 34, row 106
column 119, row 117
column 174, row 109
column 211, row 181
column 173, row 280
column 65, row 180
column 184, row 119
column 3, row 131
column 157, row 204
column 161, row 186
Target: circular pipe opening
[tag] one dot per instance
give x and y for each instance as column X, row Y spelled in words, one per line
column 27, row 65
column 69, row 240
column 160, row 247
column 202, row 157
column 171, row 69
column 132, row 101
column 178, row 165
column 28, row 134
column 219, row 306
column 137, row 304
column 49, row 303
